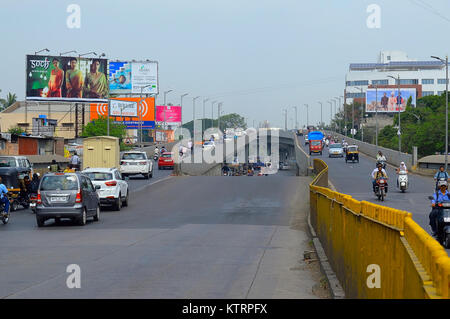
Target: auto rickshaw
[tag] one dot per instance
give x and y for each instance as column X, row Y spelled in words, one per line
column 11, row 179
column 352, row 153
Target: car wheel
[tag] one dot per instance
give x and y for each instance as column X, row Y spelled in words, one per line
column 82, row 218
column 159, row 167
column 125, row 202
column 40, row 221
column 97, row 214
column 118, row 204
column 147, row 176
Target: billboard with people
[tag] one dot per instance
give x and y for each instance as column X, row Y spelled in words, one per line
column 387, row 99
column 66, row 78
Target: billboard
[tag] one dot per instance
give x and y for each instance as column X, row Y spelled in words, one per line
column 387, row 98
column 168, row 114
column 123, row 108
column 66, row 78
column 130, row 77
column 147, row 107
column 119, row 77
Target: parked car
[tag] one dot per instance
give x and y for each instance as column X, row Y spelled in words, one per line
column 165, row 160
column 113, row 188
column 21, row 163
column 135, row 163
column 67, row 195
column 335, row 149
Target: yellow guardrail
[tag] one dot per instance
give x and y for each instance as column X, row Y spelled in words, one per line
column 376, row 251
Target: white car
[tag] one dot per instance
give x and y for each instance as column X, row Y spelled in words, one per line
column 113, row 189
column 335, row 149
column 135, row 163
column 207, row 145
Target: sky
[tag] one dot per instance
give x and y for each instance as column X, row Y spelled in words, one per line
column 257, row 57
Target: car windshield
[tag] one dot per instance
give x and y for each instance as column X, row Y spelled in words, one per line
column 99, row 176
column 352, row 149
column 7, row 162
column 59, row 182
column 335, row 145
column 315, row 143
column 133, row 156
column 167, row 155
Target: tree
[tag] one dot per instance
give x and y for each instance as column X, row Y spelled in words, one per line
column 232, row 120
column 2, row 102
column 16, row 130
column 10, row 100
column 99, row 128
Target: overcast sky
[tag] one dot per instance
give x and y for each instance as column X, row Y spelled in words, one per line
column 256, row 56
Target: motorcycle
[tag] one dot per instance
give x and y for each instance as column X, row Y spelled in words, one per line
column 155, row 157
column 33, row 201
column 443, row 223
column 4, row 216
column 380, row 188
column 402, row 181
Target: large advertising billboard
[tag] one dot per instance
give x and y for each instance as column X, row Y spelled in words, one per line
column 168, row 114
column 66, row 78
column 387, row 99
column 131, row 77
column 123, row 108
column 147, row 107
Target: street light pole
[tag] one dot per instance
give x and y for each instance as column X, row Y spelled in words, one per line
column 140, row 115
column 165, row 106
column 212, row 113
column 181, row 104
column 331, row 113
column 285, row 119
column 446, row 107
column 321, row 120
column 296, row 122
column 376, row 115
column 399, row 102
column 193, row 106
column 307, row 115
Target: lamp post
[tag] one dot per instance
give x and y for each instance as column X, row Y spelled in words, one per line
column 140, row 116
column 336, row 127
column 331, row 112
column 181, row 104
column 285, row 119
column 193, row 105
column 321, row 121
column 399, row 103
column 296, row 122
column 376, row 115
column 165, row 105
column 35, row 53
column 446, row 107
column 338, row 100
column 307, row 115
column 212, row 112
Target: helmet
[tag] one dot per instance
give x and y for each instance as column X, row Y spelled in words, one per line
column 442, row 183
column 379, row 164
column 402, row 163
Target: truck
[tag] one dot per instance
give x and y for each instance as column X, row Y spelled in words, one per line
column 101, row 151
column 315, row 142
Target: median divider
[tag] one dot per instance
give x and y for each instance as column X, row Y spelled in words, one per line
column 376, row 251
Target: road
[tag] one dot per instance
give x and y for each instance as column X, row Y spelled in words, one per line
column 180, row 237
column 354, row 179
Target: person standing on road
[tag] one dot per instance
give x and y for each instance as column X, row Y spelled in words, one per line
column 54, row 167
column 75, row 161
column 3, row 198
column 190, row 145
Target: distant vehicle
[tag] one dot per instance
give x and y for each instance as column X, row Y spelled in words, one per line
column 136, row 163
column 166, row 161
column 227, row 138
column 335, row 150
column 315, row 142
column 113, row 188
column 67, row 195
column 21, row 163
column 207, row 145
column 299, row 132
column 306, row 139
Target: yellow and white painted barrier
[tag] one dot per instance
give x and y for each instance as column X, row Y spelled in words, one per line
column 376, row 251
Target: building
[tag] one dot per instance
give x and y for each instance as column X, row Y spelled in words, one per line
column 12, row 144
column 426, row 76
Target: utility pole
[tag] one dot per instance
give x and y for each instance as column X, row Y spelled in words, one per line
column 331, row 113
column 296, row 122
column 321, row 120
column 446, row 107
column 307, row 115
column 376, row 116
column 285, row 119
column 181, row 104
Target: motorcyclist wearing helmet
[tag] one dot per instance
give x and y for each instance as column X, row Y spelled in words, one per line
column 377, row 173
column 439, row 196
column 440, row 174
column 402, row 168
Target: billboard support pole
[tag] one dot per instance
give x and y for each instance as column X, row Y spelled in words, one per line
column 76, row 120
column 107, row 118
column 376, row 116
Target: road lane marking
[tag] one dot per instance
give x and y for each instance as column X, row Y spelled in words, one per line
column 147, row 185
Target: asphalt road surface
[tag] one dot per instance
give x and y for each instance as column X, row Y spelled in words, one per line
column 180, row 237
column 355, row 179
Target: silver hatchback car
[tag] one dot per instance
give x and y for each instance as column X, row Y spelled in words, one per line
column 67, row 195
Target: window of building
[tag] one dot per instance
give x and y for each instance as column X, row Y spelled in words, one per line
column 389, row 58
column 356, row 95
column 427, row 81
column 427, row 93
column 355, row 83
column 409, row 81
column 440, row 92
column 441, row 81
column 380, row 82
